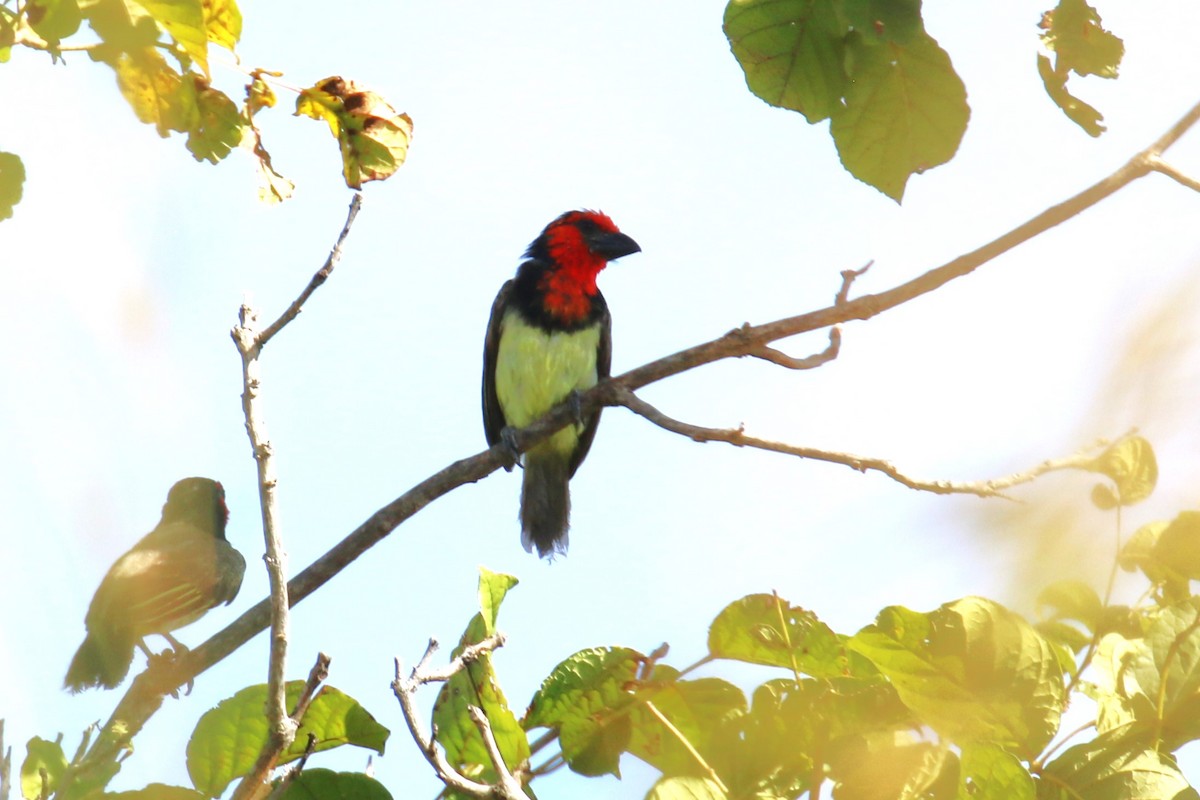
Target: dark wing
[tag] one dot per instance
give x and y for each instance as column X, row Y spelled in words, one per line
column 603, row 370
column 493, row 416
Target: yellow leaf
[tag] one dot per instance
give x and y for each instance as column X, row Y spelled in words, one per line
column 184, row 21
column 223, row 22
column 373, row 137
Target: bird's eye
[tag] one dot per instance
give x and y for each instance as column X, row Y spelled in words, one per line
column 588, row 227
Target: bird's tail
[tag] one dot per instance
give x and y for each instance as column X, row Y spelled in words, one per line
column 97, row 664
column 545, row 503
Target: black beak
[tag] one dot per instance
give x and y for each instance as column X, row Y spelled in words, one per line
column 612, row 245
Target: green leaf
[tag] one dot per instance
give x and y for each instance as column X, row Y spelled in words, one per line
column 228, row 739
column 1072, row 600
column 791, row 51
column 493, row 586
column 476, row 685
column 325, row 784
column 223, row 22
column 12, row 183
column 1167, row 670
column 1080, row 43
column 1138, row 552
column 41, row 756
column 905, row 112
column 763, row 629
column 1111, row 767
column 887, row 766
column 769, row 751
column 220, row 125
column 990, row 772
column 884, row 20
column 372, row 136
column 53, row 19
column 1178, row 546
column 157, row 791
column 184, row 21
column 698, row 709
column 1131, row 465
column 1112, row 686
column 585, row 699
column 685, row 789
column 972, row 669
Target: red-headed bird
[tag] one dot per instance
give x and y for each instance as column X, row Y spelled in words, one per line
column 549, row 336
column 169, row 579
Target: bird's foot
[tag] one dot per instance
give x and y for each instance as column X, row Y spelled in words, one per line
column 575, row 402
column 171, row 657
column 508, row 437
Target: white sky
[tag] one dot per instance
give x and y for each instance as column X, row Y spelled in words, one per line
column 126, row 261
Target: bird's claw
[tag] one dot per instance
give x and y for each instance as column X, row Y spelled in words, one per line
column 508, row 437
column 575, row 402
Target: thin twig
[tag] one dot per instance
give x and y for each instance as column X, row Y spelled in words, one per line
column 405, row 689
column 738, row 438
column 256, row 783
column 782, row 359
column 318, row 278
column 507, row 784
column 695, row 754
column 1158, row 165
column 294, row 771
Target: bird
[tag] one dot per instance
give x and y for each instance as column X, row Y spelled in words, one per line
column 169, row 579
column 548, row 338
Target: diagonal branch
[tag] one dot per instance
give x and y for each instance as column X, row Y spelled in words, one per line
column 147, row 691
column 318, row 278
column 738, row 438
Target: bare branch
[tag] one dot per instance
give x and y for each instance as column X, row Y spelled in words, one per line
column 146, row 694
column 405, row 689
column 507, row 786
column 738, row 438
column 246, row 337
column 811, row 362
column 1158, row 165
column 848, row 278
column 250, row 341
column 294, row 771
column 319, row 278
column 256, row 783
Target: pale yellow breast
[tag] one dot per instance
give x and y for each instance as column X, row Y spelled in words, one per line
column 536, row 370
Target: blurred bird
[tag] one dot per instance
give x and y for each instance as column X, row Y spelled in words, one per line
column 167, row 580
column 549, row 337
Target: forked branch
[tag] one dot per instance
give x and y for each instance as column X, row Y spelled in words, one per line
column 145, row 695
column 507, row 786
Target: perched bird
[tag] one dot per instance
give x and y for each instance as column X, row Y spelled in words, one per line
column 550, row 336
column 167, row 580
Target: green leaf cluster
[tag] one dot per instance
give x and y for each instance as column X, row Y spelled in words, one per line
column 224, row 747
column 964, row 701
column 895, row 104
